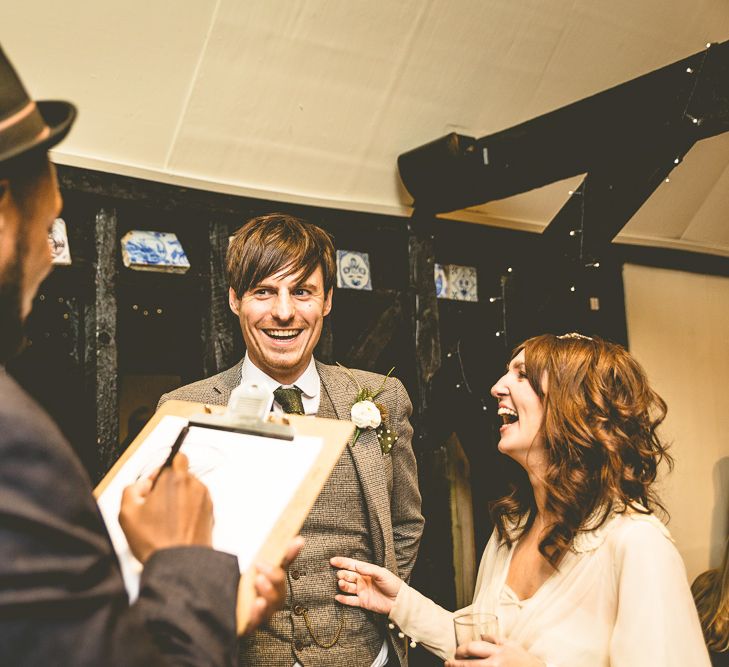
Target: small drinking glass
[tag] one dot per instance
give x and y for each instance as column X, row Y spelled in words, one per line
column 476, row 627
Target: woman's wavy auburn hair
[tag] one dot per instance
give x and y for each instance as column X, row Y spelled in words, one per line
column 600, row 439
column 711, row 594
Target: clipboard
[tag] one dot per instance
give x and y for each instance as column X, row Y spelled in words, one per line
column 333, row 434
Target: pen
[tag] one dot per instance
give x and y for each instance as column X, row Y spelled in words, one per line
column 173, row 452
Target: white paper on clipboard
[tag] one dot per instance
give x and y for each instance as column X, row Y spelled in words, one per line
column 251, row 481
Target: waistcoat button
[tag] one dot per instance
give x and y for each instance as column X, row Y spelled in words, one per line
column 295, row 574
column 298, row 610
column 298, row 645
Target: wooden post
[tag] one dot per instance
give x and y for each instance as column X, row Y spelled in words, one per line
column 102, row 360
column 218, row 331
column 464, row 545
column 434, row 570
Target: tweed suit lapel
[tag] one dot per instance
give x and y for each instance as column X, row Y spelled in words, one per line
column 340, row 391
column 226, row 381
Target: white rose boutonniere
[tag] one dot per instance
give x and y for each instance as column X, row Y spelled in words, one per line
column 367, row 414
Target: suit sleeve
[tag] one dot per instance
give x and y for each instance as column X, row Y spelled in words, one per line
column 62, row 598
column 407, row 521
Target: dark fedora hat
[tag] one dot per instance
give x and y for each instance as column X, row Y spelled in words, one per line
column 26, row 125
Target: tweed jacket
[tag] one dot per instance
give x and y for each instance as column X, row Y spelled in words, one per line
column 62, row 598
column 389, row 482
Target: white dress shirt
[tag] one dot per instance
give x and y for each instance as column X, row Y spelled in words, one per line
column 310, row 386
column 308, row 382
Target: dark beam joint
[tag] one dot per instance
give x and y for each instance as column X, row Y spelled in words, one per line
column 672, row 106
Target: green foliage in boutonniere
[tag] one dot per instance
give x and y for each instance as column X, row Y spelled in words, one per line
column 368, row 414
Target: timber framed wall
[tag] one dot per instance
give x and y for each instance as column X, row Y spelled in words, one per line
column 98, row 329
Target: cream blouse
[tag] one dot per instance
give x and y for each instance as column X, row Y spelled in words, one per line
column 619, row 599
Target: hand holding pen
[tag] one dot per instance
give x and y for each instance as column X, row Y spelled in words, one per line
column 173, row 452
column 172, row 510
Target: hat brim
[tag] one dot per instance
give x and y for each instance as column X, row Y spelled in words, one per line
column 59, row 117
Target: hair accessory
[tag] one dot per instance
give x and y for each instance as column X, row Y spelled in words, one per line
column 574, row 335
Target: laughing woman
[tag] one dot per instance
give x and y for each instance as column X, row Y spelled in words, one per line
column 579, row 570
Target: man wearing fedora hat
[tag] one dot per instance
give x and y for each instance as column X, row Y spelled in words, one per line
column 62, row 598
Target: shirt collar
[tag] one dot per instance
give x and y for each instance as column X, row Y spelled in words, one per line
column 308, row 381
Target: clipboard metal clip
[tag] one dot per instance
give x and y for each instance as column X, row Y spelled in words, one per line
column 247, row 412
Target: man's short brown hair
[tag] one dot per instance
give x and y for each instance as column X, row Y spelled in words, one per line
column 269, row 244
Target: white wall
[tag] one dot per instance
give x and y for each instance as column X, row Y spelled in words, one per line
column 678, row 328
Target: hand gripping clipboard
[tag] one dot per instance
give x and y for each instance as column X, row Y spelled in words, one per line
column 323, row 439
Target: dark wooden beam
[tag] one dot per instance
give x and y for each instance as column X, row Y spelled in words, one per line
column 666, row 110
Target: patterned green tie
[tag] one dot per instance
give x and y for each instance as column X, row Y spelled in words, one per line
column 290, row 400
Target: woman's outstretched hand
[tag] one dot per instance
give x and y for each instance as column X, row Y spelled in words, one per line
column 366, row 585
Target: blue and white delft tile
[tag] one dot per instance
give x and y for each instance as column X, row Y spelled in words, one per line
column 441, row 281
column 462, row 283
column 58, row 240
column 353, row 270
column 154, row 251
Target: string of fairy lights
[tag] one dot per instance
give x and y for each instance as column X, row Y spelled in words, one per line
column 577, row 233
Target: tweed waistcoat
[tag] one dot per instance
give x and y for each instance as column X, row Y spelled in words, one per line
column 337, row 525
column 389, row 483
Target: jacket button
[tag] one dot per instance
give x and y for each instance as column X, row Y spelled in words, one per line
column 298, row 610
column 298, row 645
column 297, row 574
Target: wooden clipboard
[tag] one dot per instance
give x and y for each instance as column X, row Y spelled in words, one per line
column 334, row 435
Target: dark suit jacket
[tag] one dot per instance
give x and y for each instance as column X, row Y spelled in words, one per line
column 62, row 599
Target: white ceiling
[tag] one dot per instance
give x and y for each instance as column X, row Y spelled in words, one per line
column 313, row 100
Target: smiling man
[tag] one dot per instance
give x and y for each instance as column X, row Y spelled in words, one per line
column 281, row 272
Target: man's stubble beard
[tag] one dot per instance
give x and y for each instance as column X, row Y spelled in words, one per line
column 11, row 319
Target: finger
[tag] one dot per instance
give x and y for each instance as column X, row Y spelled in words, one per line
column 340, row 562
column 275, row 575
column 294, row 549
column 180, row 463
column 349, row 600
column 347, row 575
column 257, row 614
column 143, row 487
column 475, row 649
column 263, row 586
column 137, row 492
column 354, row 565
column 347, row 587
column 367, row 569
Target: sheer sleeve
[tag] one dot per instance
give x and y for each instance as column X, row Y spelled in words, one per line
column 428, row 623
column 656, row 622
column 425, row 621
